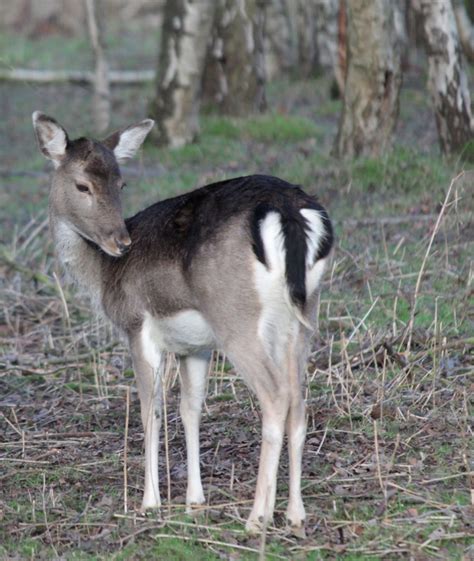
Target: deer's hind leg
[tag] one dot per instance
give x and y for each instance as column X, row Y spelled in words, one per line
column 296, row 432
column 268, row 382
column 296, row 423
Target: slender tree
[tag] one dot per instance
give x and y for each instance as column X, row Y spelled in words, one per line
column 373, row 80
column 447, row 81
column 186, row 29
column 101, row 99
column 235, row 68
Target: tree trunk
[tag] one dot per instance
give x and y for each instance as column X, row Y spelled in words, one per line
column 465, row 29
column 281, row 48
column 447, row 80
column 101, row 99
column 235, row 70
column 327, row 33
column 306, row 25
column 373, row 79
column 321, row 39
column 186, row 29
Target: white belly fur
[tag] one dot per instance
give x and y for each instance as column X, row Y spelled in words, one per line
column 184, row 333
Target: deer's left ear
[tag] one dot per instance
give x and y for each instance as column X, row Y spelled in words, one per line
column 125, row 143
column 52, row 138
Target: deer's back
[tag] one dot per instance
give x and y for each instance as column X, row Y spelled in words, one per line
column 187, row 247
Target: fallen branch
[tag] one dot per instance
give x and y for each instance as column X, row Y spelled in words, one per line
column 127, row 77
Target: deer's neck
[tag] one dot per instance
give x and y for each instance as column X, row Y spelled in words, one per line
column 81, row 260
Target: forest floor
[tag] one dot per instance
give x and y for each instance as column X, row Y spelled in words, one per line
column 386, row 472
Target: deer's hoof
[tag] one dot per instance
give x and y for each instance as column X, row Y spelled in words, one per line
column 195, row 508
column 254, row 526
column 297, row 530
column 151, row 507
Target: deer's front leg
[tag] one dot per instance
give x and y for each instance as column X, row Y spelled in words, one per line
column 194, row 371
column 147, row 363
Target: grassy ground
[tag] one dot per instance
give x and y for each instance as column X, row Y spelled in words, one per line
column 387, row 471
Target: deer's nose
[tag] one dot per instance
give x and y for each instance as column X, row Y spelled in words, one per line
column 123, row 243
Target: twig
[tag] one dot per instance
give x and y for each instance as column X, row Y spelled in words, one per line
column 425, row 259
column 124, row 77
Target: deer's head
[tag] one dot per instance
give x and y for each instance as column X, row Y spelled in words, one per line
column 86, row 185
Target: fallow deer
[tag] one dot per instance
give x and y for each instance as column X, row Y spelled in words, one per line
column 234, row 265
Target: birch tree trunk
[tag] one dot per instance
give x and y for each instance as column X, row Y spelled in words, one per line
column 307, row 37
column 327, row 32
column 101, row 99
column 281, row 45
column 465, row 29
column 235, row 69
column 373, row 79
column 447, row 80
column 186, row 29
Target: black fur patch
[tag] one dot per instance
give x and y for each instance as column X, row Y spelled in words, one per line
column 257, row 243
column 328, row 237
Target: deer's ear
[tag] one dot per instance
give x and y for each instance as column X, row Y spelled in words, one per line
column 52, row 138
column 125, row 143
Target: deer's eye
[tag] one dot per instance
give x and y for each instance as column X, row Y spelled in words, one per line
column 122, row 187
column 82, row 188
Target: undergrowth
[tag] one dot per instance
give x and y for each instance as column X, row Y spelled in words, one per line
column 387, row 472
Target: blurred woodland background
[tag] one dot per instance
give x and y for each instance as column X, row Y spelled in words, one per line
column 366, row 104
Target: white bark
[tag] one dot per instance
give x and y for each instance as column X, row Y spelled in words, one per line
column 465, row 28
column 281, row 46
column 235, row 68
column 373, row 79
column 186, row 30
column 319, row 38
column 447, row 81
column 327, row 32
column 101, row 99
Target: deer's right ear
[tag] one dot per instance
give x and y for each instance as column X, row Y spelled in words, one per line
column 52, row 138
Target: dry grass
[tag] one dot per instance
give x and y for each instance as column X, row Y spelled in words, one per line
column 387, row 468
column 387, row 472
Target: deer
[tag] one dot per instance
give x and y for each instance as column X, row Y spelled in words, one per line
column 234, row 266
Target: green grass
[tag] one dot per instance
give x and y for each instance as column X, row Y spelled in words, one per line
column 128, row 48
column 266, row 128
column 272, row 128
column 401, row 171
column 52, row 52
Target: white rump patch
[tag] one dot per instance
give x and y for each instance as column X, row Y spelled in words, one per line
column 315, row 234
column 273, row 242
column 314, row 239
column 131, row 139
column 277, row 319
column 313, row 276
column 280, row 317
